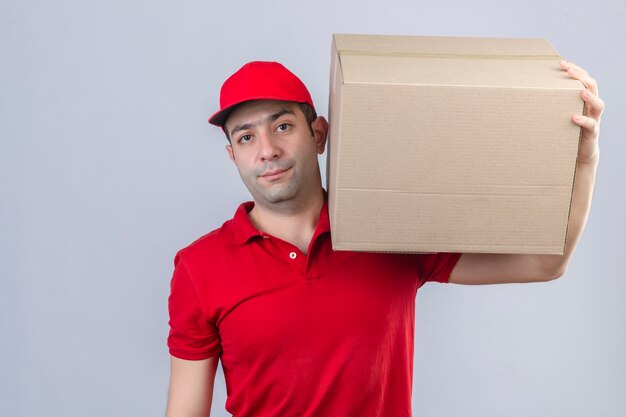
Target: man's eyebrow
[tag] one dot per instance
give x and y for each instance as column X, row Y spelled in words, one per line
column 269, row 118
column 281, row 112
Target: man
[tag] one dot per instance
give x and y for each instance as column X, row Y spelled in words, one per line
column 302, row 330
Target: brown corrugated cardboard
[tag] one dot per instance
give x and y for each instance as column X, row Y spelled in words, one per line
column 447, row 144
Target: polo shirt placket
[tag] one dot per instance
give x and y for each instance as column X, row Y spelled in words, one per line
column 287, row 253
column 310, row 265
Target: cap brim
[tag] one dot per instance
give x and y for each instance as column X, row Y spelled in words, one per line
column 219, row 118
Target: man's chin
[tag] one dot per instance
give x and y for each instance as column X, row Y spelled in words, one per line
column 277, row 195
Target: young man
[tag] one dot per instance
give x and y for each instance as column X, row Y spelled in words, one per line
column 302, row 330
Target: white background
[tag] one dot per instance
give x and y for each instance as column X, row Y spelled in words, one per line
column 108, row 167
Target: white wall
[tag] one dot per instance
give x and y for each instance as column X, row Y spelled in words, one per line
column 107, row 167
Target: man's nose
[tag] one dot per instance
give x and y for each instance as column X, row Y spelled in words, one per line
column 268, row 148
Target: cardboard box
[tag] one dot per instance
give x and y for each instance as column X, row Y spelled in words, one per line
column 449, row 144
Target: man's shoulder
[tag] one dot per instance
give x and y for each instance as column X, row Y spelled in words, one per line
column 221, row 240
column 211, row 241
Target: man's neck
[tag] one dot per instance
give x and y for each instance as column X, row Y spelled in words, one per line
column 295, row 225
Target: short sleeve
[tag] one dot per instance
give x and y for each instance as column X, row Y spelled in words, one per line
column 436, row 267
column 191, row 335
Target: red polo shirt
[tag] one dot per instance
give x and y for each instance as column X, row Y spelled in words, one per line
column 323, row 334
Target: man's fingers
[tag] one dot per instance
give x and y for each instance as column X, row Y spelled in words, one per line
column 584, row 78
column 580, row 74
column 570, row 66
column 588, row 123
column 594, row 105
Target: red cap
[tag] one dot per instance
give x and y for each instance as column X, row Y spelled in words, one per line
column 259, row 80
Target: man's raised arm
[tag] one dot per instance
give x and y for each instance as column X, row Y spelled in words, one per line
column 476, row 268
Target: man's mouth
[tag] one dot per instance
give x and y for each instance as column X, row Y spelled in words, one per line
column 274, row 174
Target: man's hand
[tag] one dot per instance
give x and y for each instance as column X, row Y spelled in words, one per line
column 590, row 121
column 478, row 268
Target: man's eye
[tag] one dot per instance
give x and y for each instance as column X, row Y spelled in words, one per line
column 245, row 138
column 282, row 127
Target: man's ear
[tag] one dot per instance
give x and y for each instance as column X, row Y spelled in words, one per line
column 231, row 155
column 320, row 133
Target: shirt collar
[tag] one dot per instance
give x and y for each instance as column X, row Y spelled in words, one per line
column 244, row 230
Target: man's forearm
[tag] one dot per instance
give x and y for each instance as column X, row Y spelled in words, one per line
column 579, row 211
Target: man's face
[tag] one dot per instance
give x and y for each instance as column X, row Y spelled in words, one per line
column 275, row 151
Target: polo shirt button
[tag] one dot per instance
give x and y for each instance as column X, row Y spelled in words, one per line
column 293, row 255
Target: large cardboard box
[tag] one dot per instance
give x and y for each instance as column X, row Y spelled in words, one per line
column 441, row 144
